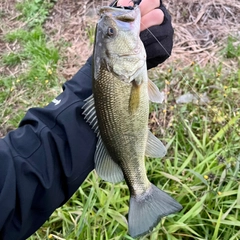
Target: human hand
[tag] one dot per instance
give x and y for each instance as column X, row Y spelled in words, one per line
column 156, row 30
column 151, row 13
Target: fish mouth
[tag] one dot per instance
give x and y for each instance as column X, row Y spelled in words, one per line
column 136, row 52
column 124, row 14
column 116, row 9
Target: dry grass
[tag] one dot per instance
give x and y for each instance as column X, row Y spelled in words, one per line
column 201, row 29
column 8, row 23
column 70, row 21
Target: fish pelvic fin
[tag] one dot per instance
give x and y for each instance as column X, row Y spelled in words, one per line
column 154, row 147
column 154, row 94
column 90, row 113
column 105, row 167
column 146, row 210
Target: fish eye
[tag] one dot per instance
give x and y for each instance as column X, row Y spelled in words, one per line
column 110, row 31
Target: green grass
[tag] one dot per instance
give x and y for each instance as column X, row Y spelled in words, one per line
column 40, row 56
column 34, row 12
column 201, row 169
column 35, row 58
column 232, row 49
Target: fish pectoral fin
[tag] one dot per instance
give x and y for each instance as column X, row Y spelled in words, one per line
column 154, row 147
column 134, row 100
column 146, row 210
column 154, row 94
column 90, row 113
column 105, row 167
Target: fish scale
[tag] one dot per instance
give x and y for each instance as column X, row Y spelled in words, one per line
column 119, row 128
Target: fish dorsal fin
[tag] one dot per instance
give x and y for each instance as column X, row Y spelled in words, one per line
column 154, row 94
column 154, row 147
column 105, row 167
column 90, row 113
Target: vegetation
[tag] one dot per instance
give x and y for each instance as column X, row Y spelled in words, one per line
column 28, row 77
column 201, row 169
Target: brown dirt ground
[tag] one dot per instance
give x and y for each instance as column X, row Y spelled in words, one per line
column 8, row 23
column 69, row 21
column 201, row 29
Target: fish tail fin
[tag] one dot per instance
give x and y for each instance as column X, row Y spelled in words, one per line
column 146, row 210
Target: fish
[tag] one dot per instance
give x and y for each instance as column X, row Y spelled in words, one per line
column 118, row 112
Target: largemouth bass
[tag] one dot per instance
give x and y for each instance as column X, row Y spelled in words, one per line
column 118, row 112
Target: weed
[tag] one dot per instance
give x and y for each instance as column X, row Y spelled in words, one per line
column 232, row 49
column 13, row 59
column 90, row 29
column 34, row 12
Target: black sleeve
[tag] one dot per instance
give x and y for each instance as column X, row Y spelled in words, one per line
column 45, row 160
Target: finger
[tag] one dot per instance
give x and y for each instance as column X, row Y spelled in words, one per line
column 155, row 17
column 148, row 5
column 145, row 6
column 125, row 3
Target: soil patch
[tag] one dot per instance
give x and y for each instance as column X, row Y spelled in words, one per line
column 202, row 28
column 8, row 22
column 72, row 22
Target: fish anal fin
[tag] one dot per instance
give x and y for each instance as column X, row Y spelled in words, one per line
column 154, row 147
column 147, row 209
column 105, row 167
column 154, row 94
